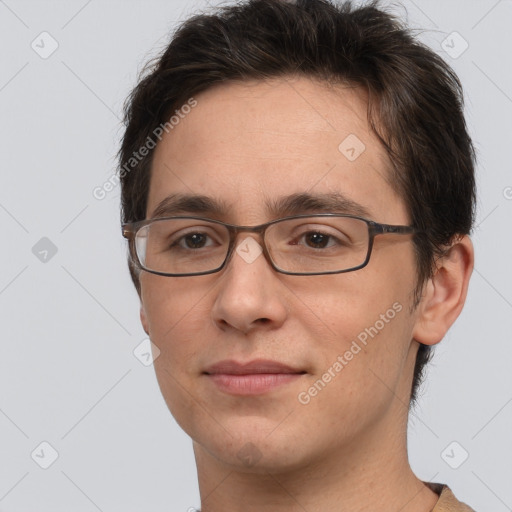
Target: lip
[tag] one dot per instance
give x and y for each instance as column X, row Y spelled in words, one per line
column 232, row 367
column 252, row 378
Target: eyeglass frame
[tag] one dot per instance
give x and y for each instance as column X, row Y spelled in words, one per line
column 130, row 229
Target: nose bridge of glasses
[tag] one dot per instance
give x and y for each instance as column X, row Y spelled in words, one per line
column 248, row 250
column 237, row 232
column 248, row 242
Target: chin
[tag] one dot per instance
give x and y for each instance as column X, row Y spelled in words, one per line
column 253, row 455
column 252, row 445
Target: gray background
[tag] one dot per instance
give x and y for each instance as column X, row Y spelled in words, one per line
column 69, row 320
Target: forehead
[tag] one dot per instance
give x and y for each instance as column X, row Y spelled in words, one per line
column 249, row 144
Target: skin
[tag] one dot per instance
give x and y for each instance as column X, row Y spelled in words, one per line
column 347, row 448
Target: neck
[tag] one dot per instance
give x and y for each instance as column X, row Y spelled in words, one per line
column 371, row 472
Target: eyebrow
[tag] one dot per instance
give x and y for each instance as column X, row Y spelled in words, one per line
column 190, row 203
column 330, row 202
column 294, row 204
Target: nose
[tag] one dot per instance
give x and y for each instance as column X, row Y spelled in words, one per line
column 250, row 293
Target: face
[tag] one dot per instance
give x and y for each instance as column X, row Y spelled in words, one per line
column 346, row 337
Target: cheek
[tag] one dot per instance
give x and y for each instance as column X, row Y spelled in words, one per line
column 344, row 305
column 360, row 365
column 167, row 300
column 176, row 313
column 361, row 326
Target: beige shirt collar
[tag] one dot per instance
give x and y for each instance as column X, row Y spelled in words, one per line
column 447, row 501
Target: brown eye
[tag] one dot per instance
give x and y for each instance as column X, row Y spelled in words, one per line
column 317, row 240
column 195, row 240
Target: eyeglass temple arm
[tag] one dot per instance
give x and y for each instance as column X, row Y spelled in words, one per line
column 127, row 231
column 381, row 229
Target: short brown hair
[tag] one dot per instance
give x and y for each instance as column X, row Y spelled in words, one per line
column 415, row 104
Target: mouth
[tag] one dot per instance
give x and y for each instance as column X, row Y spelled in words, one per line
column 253, row 378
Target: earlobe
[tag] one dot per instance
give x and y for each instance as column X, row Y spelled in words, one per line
column 445, row 293
column 144, row 320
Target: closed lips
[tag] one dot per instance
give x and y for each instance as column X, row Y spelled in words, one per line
column 251, row 368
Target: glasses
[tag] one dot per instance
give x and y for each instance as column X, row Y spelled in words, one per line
column 327, row 243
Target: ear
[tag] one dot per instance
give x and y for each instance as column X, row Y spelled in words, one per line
column 444, row 293
column 143, row 319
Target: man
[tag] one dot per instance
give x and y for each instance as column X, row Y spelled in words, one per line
column 298, row 200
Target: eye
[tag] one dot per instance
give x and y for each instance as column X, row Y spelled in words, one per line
column 317, row 240
column 319, row 237
column 194, row 240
